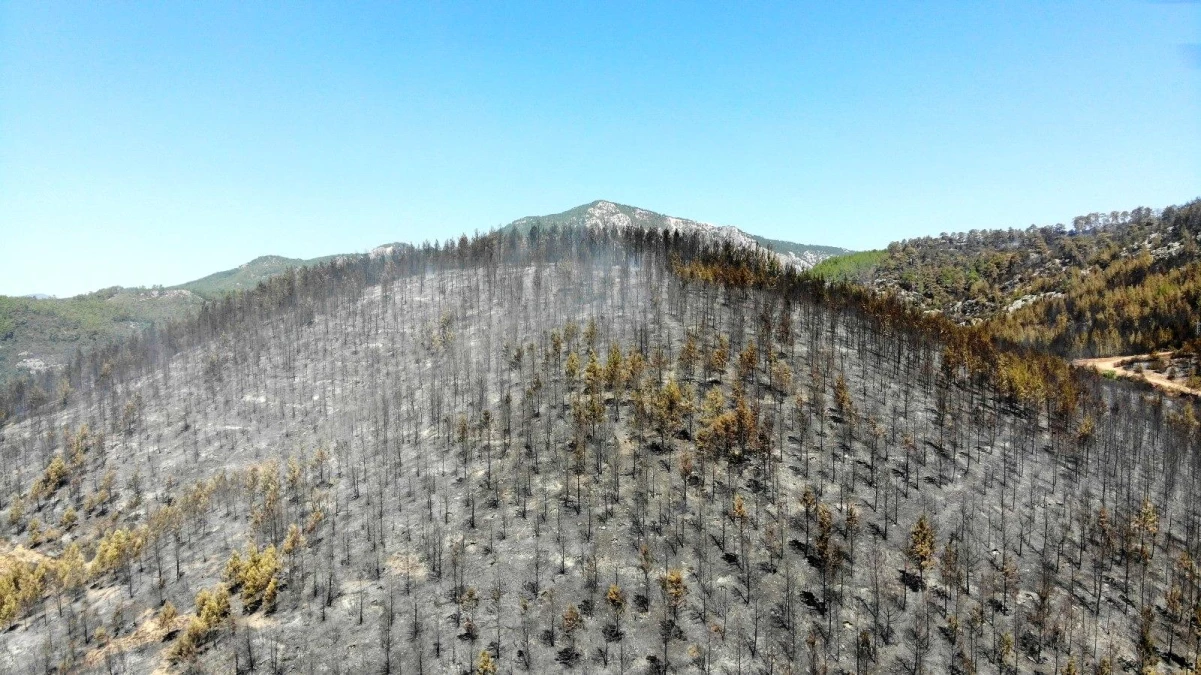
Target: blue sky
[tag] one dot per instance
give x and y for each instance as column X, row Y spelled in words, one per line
column 156, row 143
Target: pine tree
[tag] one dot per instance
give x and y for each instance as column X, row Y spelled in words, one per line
column 920, row 550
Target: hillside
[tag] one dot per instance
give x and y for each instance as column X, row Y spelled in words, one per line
column 1118, row 283
column 45, row 333
column 39, row 333
column 592, row 450
column 855, row 267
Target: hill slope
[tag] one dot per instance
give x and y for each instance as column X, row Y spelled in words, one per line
column 596, row 451
column 1118, row 283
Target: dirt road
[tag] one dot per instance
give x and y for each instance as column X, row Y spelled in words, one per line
column 1110, row 363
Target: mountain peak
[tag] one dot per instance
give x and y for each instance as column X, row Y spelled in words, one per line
column 605, row 213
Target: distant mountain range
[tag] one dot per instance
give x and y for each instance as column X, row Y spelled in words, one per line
column 39, row 331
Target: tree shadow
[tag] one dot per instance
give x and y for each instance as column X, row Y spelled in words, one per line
column 912, row 581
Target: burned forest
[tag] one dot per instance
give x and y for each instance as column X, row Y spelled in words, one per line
column 594, row 450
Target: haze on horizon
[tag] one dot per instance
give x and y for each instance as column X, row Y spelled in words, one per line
column 153, row 144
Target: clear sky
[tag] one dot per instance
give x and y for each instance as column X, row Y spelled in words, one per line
column 159, row 142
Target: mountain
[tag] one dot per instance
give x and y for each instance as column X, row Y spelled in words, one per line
column 246, row 276
column 39, row 333
column 804, row 256
column 590, row 450
column 608, row 214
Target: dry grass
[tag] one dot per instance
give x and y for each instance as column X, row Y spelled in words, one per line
column 149, row 631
